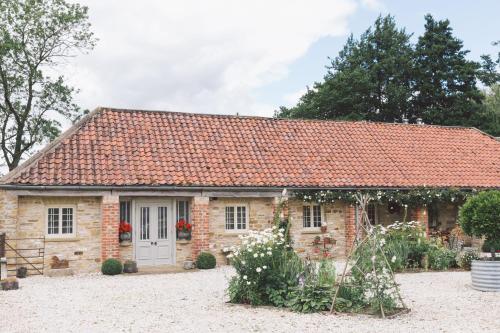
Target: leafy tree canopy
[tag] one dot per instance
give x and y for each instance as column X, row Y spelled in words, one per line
column 382, row 76
column 35, row 35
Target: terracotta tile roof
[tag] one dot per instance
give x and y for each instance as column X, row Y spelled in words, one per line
column 127, row 147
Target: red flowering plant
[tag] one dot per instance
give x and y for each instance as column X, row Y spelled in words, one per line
column 125, row 231
column 183, row 229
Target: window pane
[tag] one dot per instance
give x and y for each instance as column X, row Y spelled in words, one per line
column 241, row 217
column 306, row 216
column 125, row 211
column 162, row 223
column 317, row 216
column 183, row 210
column 53, row 221
column 144, row 218
column 229, row 218
column 371, row 213
column 67, row 220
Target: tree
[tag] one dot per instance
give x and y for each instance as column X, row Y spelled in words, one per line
column 445, row 89
column 369, row 79
column 35, row 36
column 488, row 119
column 480, row 217
column 383, row 77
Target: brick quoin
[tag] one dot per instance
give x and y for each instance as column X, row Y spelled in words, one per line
column 350, row 227
column 110, row 222
column 420, row 214
column 199, row 218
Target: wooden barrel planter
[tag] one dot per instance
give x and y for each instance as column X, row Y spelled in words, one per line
column 486, row 275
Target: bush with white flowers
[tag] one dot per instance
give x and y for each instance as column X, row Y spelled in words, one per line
column 260, row 261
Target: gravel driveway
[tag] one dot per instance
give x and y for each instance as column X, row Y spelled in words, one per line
column 196, row 302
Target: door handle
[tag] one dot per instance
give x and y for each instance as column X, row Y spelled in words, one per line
column 154, row 243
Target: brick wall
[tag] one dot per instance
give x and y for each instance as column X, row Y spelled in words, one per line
column 110, row 223
column 420, row 214
column 200, row 221
column 350, row 226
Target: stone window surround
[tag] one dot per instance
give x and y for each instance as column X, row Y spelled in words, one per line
column 60, row 235
column 312, row 228
column 247, row 219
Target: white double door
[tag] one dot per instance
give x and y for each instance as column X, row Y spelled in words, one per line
column 155, row 232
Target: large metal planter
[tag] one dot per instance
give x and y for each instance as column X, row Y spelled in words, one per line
column 486, row 275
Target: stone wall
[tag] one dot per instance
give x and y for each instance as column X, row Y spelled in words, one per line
column 82, row 251
column 303, row 238
column 261, row 212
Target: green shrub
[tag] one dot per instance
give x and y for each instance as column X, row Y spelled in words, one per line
column 406, row 245
column 491, row 243
column 480, row 217
column 111, row 267
column 350, row 298
column 441, row 258
column 465, row 260
column 310, row 298
column 205, row 260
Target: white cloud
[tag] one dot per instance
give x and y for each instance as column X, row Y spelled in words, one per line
column 291, row 99
column 198, row 56
column 373, row 5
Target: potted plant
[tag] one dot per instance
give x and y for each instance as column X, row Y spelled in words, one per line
column 479, row 217
column 125, row 231
column 183, row 229
column 130, row 266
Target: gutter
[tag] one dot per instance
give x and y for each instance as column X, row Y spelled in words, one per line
column 207, row 188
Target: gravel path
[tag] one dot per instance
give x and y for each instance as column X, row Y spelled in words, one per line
column 196, row 302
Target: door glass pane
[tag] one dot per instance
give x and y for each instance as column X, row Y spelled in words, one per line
column 53, row 221
column 144, row 218
column 162, row 223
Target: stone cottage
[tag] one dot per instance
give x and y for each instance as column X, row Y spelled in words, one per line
column 222, row 175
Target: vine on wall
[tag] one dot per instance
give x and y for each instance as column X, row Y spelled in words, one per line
column 411, row 198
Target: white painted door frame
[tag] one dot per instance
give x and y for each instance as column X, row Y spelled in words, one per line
column 154, row 231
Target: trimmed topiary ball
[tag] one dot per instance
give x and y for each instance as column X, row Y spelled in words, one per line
column 205, row 260
column 111, row 267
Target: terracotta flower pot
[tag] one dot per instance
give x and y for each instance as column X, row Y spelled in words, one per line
column 323, row 228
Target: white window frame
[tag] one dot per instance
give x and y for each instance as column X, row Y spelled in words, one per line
column 311, row 217
column 60, row 234
column 247, row 218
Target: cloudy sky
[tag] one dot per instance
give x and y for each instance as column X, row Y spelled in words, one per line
column 246, row 57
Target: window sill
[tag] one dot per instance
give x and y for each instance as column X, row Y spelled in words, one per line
column 62, row 239
column 311, row 231
column 235, row 233
column 183, row 241
column 125, row 243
